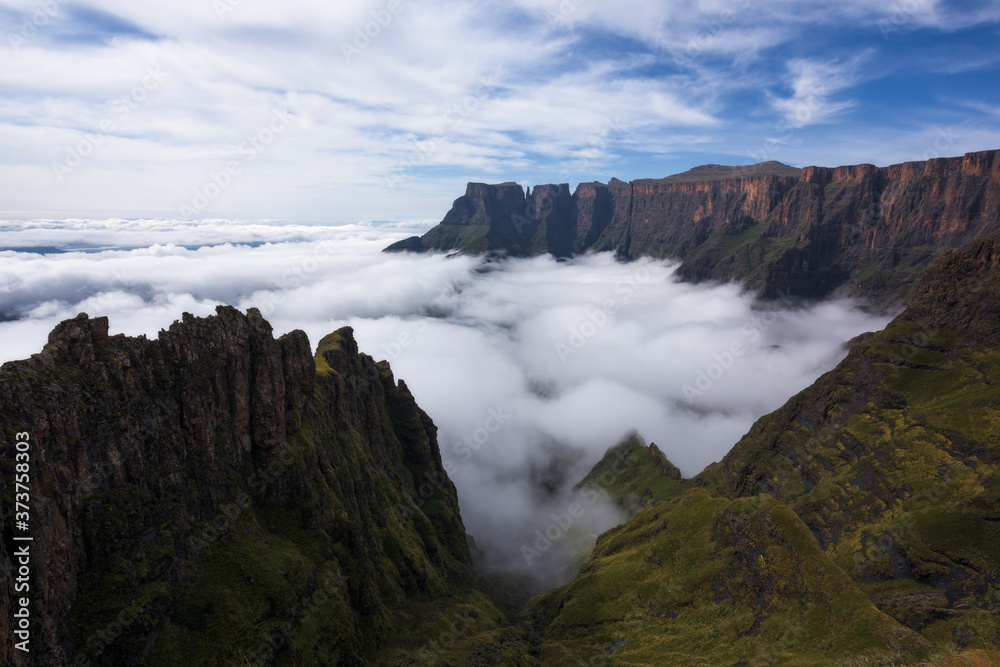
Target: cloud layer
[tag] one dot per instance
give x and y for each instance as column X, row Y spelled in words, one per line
column 530, row 368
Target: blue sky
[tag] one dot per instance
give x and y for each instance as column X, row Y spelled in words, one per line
column 252, row 109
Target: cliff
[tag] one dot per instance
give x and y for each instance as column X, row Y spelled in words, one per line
column 216, row 496
column 858, row 230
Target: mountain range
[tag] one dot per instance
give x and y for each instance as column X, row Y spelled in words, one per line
column 857, row 230
column 217, row 496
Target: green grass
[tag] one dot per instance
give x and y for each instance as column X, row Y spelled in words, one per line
column 635, row 475
column 708, row 581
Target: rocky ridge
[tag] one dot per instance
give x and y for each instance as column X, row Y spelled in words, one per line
column 859, row 230
column 216, row 495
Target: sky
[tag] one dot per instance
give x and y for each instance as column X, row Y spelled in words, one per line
column 530, row 368
column 384, row 109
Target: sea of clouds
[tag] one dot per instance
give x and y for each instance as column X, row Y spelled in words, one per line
column 531, row 368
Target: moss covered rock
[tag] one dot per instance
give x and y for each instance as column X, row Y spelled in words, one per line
column 698, row 580
column 893, row 458
column 218, row 497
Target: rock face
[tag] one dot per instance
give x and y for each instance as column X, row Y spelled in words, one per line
column 217, row 495
column 859, row 230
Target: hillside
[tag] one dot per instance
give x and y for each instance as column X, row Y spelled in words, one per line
column 858, row 524
column 893, row 458
column 698, row 580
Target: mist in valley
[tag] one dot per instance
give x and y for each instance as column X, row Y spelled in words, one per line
column 531, row 368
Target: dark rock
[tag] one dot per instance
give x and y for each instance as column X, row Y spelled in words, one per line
column 217, row 461
column 858, row 230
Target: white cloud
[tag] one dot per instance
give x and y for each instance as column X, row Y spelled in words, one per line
column 814, row 85
column 354, row 123
column 571, row 355
column 554, row 86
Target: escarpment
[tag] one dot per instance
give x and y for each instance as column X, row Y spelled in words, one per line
column 857, row 230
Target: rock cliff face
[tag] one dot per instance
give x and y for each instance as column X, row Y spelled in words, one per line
column 862, row 230
column 217, row 496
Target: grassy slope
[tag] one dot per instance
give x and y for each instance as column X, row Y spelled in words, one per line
column 892, row 458
column 698, row 580
column 635, row 476
column 867, row 513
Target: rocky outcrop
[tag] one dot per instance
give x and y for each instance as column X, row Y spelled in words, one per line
column 216, row 495
column 858, row 230
column 635, row 476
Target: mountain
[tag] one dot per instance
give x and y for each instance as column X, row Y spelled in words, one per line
column 893, row 458
column 701, row 580
column 718, row 172
column 216, row 496
column 857, row 230
column 219, row 496
column 635, row 475
column 858, row 524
